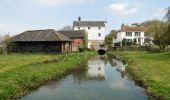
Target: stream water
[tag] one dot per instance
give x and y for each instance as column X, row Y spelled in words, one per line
column 97, row 79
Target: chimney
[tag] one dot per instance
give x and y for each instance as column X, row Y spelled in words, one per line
column 79, row 18
column 122, row 26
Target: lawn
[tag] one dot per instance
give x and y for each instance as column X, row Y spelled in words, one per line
column 12, row 61
column 152, row 69
column 20, row 73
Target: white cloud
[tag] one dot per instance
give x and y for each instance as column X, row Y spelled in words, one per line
column 123, row 8
column 47, row 3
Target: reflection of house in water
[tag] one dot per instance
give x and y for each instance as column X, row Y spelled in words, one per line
column 96, row 69
column 120, row 67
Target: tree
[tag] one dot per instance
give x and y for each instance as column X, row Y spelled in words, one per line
column 167, row 17
column 160, row 34
column 67, row 28
column 109, row 37
column 149, row 30
column 6, row 39
column 85, row 39
column 4, row 43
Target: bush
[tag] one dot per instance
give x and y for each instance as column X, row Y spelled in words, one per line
column 2, row 50
column 81, row 49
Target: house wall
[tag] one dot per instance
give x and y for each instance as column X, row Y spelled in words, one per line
column 76, row 42
column 121, row 35
column 95, row 44
column 93, row 34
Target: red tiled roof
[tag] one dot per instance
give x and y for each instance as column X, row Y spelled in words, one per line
column 132, row 28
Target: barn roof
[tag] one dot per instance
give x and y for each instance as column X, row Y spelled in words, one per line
column 73, row 34
column 40, row 35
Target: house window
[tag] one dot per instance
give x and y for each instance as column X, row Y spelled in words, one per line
column 78, row 27
column 88, row 27
column 128, row 33
column 137, row 33
column 99, row 28
column 99, row 34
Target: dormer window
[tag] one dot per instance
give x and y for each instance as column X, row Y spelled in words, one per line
column 88, row 27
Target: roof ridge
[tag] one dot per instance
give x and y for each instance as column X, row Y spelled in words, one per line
column 57, row 34
column 37, row 30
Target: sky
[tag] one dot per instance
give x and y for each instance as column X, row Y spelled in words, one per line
column 17, row 16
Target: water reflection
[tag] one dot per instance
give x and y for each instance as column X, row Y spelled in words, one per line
column 120, row 67
column 96, row 69
column 96, row 79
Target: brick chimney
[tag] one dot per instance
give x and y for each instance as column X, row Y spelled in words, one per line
column 79, row 18
column 122, row 26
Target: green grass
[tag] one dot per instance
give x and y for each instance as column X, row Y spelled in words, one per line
column 23, row 72
column 152, row 69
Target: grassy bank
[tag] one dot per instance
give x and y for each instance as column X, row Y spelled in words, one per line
column 23, row 72
column 152, row 70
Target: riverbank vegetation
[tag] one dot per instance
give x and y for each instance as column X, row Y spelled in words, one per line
column 151, row 70
column 20, row 73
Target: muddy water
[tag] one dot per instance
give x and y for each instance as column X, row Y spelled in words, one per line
column 97, row 79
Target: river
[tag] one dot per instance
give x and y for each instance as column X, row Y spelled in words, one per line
column 97, row 79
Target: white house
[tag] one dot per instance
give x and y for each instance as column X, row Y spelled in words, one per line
column 96, row 31
column 130, row 34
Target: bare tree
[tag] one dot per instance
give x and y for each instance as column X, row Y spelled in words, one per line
column 4, row 42
column 67, row 28
column 6, row 39
column 167, row 16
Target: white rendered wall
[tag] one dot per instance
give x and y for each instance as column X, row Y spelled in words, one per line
column 93, row 32
column 121, row 35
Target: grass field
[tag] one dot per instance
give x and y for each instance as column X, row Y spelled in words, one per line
column 151, row 69
column 20, row 73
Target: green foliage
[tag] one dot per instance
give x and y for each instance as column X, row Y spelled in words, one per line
column 124, row 42
column 134, row 41
column 157, row 29
column 167, row 17
column 127, row 42
column 109, row 37
column 2, row 50
column 160, row 35
column 149, row 27
column 81, row 48
column 85, row 39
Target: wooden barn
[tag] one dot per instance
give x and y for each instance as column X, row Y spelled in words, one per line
column 48, row 40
